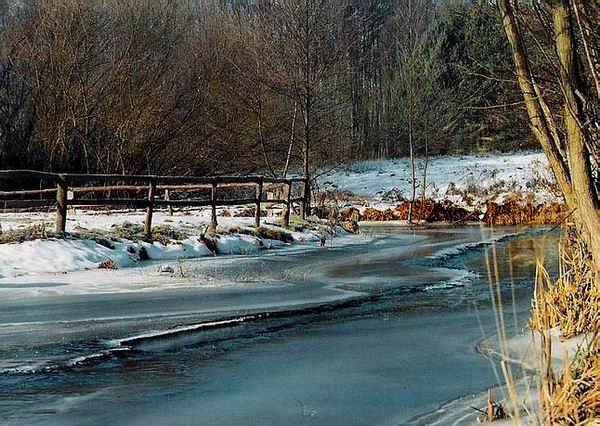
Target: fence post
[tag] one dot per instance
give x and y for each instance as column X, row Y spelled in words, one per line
column 168, row 198
column 213, row 206
column 149, row 209
column 259, row 193
column 288, row 206
column 61, row 206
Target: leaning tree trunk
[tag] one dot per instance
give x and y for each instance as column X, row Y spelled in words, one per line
column 573, row 173
column 579, row 156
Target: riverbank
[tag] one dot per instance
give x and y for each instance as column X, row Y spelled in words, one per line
column 499, row 190
column 116, row 240
column 400, row 317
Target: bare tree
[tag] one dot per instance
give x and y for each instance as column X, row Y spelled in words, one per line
column 411, row 22
column 566, row 125
column 306, row 51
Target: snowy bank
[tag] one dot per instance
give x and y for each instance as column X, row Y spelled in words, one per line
column 467, row 181
column 93, row 240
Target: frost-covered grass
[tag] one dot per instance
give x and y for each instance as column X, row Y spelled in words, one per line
column 466, row 180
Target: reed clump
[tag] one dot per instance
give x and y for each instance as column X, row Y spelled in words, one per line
column 572, row 302
column 570, row 305
column 574, row 398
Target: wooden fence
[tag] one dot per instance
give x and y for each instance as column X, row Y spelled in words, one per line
column 67, row 190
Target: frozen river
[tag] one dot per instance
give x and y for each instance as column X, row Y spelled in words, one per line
column 376, row 331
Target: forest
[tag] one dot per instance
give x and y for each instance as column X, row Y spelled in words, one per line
column 201, row 87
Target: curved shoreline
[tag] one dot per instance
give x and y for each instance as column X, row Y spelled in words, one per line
column 373, row 293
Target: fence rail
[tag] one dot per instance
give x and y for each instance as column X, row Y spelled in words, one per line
column 68, row 185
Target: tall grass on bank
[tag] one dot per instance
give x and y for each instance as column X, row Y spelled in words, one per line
column 572, row 302
column 573, row 398
column 570, row 307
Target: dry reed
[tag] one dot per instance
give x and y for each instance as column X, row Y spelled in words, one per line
column 574, row 397
column 572, row 302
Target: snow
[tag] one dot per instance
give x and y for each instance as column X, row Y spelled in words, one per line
column 58, row 255
column 190, row 219
column 483, row 177
column 525, row 348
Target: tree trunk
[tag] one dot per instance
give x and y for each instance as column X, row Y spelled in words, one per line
column 579, row 158
column 292, row 139
column 413, row 177
column 573, row 175
column 306, row 207
column 425, row 167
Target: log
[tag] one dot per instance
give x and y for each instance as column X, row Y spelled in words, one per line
column 135, row 203
column 28, row 192
column 87, row 189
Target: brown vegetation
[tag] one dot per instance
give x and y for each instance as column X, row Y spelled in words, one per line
column 374, row 215
column 434, row 211
column 573, row 301
column 574, row 398
column 516, row 211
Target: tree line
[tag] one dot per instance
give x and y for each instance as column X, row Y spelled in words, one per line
column 238, row 86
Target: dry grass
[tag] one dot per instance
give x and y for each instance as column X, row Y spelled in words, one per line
column 427, row 210
column 574, row 398
column 573, row 301
column 29, row 233
column 513, row 211
column 434, row 211
column 374, row 215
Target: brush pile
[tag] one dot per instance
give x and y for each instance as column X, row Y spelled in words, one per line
column 513, row 211
column 422, row 210
column 435, row 211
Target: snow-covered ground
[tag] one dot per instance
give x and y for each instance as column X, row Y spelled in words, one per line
column 466, row 180
column 58, row 255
